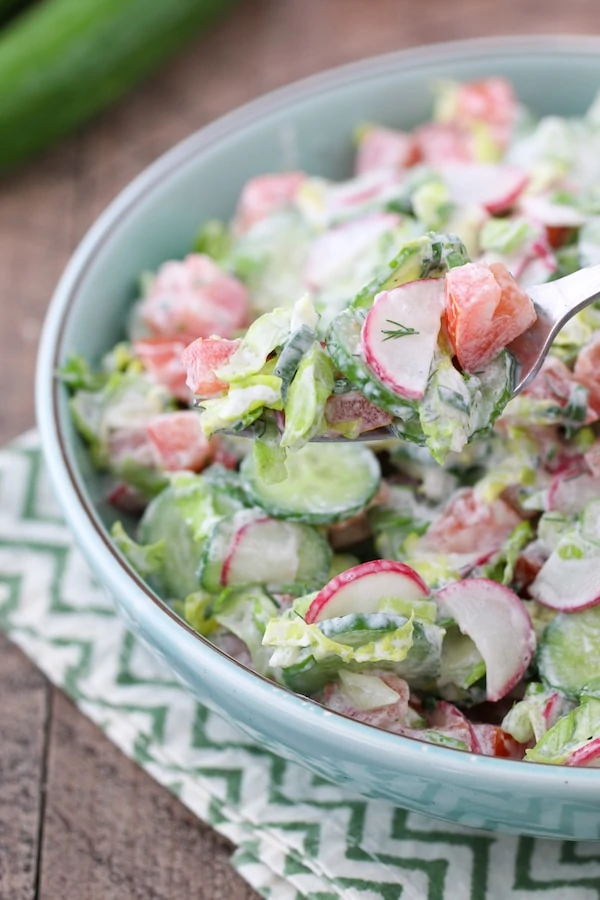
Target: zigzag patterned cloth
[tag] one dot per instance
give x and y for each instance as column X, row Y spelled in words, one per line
column 298, row 837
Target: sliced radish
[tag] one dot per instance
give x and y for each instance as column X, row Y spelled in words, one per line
column 587, row 756
column 448, row 719
column 400, row 335
column 499, row 625
column 571, row 490
column 495, row 187
column 337, row 249
column 362, row 588
column 555, row 215
column 385, row 148
column 278, row 567
column 567, row 584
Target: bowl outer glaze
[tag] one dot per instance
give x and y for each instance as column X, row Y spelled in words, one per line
column 306, row 125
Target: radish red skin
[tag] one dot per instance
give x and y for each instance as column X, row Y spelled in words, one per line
column 584, row 755
column 237, row 539
column 364, row 570
column 465, row 601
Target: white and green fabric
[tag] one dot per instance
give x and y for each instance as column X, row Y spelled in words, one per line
column 297, row 836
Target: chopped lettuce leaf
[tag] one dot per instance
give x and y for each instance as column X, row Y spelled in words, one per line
column 198, row 612
column 307, row 395
column 572, row 733
column 246, row 612
column 145, row 559
column 214, row 240
column 269, row 455
column 244, row 402
column 263, row 336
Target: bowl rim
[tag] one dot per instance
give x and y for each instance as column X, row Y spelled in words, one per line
column 83, row 518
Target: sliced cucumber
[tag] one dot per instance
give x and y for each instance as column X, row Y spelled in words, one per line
column 428, row 256
column 344, row 345
column 252, row 548
column 325, row 483
column 357, row 629
column 569, row 655
column 291, row 354
column 164, row 521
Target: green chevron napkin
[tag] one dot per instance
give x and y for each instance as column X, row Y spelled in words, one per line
column 297, row 836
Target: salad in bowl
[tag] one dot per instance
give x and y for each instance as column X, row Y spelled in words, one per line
column 442, row 585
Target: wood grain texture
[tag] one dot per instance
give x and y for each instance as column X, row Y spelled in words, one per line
column 24, row 699
column 108, row 832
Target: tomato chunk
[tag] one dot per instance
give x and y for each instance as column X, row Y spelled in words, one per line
column 468, row 524
column 179, row 442
column 195, row 298
column 200, row 359
column 491, row 740
column 161, row 356
column 386, row 148
column 264, row 195
column 485, row 311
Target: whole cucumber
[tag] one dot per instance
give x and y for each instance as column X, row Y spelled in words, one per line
column 64, row 60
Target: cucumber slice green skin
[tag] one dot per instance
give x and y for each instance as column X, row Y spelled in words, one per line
column 343, row 343
column 163, row 521
column 420, row 668
column 291, row 355
column 316, row 474
column 314, row 556
column 65, row 60
column 568, row 657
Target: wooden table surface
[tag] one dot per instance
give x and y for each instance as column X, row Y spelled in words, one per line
column 61, row 838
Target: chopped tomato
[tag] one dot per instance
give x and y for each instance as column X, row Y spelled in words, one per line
column 354, row 407
column 179, row 442
column 557, row 235
column 491, row 740
column 200, row 359
column 485, row 311
column 492, row 101
column 161, row 356
column 195, row 298
column 386, row 148
column 264, row 195
column 440, row 144
column 470, row 525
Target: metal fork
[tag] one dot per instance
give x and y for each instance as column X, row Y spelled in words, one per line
column 555, row 303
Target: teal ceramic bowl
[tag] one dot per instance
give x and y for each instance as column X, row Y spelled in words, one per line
column 308, row 125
